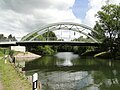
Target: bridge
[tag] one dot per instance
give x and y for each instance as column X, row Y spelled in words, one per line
column 34, row 38
column 37, row 43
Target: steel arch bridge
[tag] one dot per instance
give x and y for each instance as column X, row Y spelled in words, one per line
column 80, row 28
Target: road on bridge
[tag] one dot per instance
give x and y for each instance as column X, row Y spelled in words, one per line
column 37, row 43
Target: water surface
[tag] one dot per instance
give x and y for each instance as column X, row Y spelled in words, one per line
column 67, row 71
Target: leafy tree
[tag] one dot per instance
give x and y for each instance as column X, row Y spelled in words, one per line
column 42, row 50
column 108, row 25
column 14, row 39
column 60, row 40
column 31, row 36
column 101, row 33
column 1, row 37
column 10, row 36
column 50, row 35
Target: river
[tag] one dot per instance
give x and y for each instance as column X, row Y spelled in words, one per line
column 67, row 71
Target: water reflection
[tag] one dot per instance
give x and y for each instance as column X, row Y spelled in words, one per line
column 66, row 71
column 67, row 57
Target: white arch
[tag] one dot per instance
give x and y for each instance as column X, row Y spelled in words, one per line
column 61, row 26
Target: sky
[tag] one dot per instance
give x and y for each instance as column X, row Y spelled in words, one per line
column 19, row 17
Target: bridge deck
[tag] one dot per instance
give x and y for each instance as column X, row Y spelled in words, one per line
column 37, row 43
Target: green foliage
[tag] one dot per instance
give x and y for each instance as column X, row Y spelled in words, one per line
column 79, row 50
column 50, row 36
column 101, row 33
column 46, row 36
column 12, row 79
column 4, row 51
column 1, row 52
column 82, row 39
column 64, row 48
column 60, row 40
column 33, row 35
column 9, row 38
column 75, row 48
column 2, row 37
column 109, row 21
column 108, row 27
column 41, row 38
column 11, row 52
column 47, row 50
column 43, row 50
column 50, row 50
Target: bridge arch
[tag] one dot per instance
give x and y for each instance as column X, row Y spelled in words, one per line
column 80, row 28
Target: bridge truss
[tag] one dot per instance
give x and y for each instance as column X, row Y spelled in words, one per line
column 80, row 28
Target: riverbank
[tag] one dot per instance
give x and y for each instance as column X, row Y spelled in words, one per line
column 12, row 79
column 27, row 56
column 1, row 85
column 101, row 55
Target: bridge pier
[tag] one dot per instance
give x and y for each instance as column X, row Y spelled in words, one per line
column 18, row 48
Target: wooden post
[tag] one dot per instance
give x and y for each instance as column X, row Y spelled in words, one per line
column 4, row 56
column 35, row 80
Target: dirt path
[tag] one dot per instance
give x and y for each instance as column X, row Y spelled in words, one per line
column 1, row 86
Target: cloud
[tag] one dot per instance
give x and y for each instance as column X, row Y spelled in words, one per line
column 114, row 1
column 94, row 7
column 27, row 6
column 19, row 17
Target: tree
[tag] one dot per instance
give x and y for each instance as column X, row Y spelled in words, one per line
column 10, row 37
column 50, row 36
column 108, row 24
column 1, row 37
column 101, row 33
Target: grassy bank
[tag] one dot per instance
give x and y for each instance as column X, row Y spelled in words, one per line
column 11, row 79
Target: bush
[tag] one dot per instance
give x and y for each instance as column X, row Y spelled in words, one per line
column 43, row 50
column 11, row 52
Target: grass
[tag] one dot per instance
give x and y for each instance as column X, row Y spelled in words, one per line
column 11, row 79
column 2, row 51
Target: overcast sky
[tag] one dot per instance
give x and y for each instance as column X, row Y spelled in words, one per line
column 19, row 17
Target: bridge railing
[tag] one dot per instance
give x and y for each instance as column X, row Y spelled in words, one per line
column 64, row 39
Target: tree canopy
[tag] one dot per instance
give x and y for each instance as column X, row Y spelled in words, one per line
column 108, row 24
column 108, row 27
